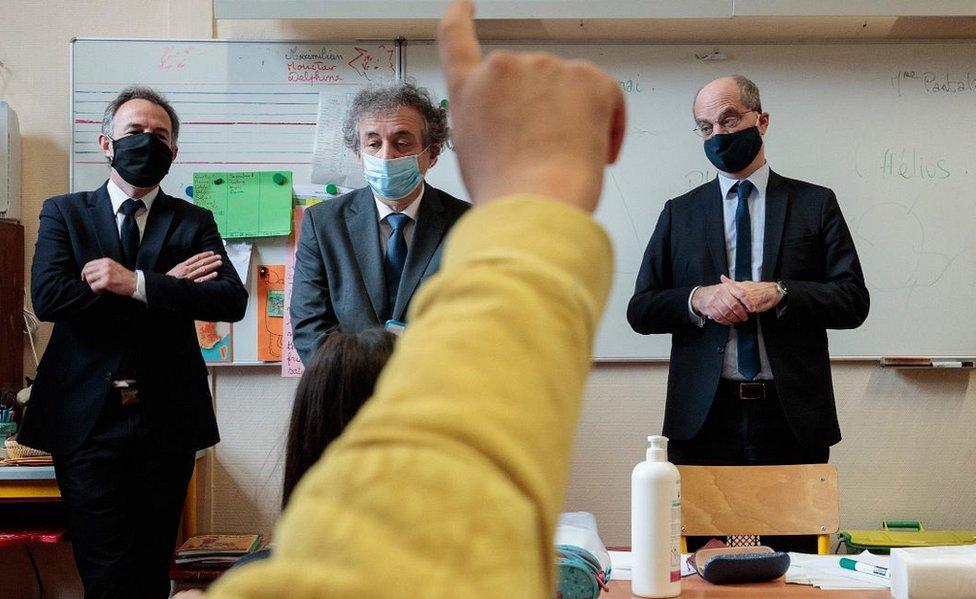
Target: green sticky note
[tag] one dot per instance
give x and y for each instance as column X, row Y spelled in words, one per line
column 246, row 204
column 276, row 303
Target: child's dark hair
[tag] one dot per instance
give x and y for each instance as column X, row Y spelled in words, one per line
column 336, row 383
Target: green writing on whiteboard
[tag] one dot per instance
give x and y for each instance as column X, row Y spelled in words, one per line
column 246, row 204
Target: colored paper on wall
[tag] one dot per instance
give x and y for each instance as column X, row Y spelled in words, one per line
column 291, row 362
column 270, row 284
column 216, row 341
column 246, row 204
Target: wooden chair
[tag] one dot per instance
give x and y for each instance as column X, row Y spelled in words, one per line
column 760, row 500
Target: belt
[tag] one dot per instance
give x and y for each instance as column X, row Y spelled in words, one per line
column 128, row 391
column 747, row 389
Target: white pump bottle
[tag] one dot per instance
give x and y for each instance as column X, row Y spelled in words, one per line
column 655, row 523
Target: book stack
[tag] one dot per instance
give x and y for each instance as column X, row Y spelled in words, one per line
column 217, row 551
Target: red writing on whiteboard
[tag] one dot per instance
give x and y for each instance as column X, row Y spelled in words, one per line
column 174, row 59
column 318, row 65
column 363, row 63
column 312, row 71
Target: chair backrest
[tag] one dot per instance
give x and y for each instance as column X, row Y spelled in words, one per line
column 759, row 500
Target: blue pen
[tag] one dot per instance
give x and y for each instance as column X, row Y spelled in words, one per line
column 849, row 564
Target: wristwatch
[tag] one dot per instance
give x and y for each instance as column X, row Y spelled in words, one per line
column 781, row 287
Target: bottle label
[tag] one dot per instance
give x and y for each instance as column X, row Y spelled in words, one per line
column 676, row 532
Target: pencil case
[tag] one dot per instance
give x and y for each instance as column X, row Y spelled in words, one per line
column 579, row 574
column 902, row 533
column 734, row 565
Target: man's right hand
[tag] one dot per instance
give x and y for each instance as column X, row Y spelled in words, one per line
column 527, row 123
column 718, row 303
column 199, row 268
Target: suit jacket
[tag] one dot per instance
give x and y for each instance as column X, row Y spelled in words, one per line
column 100, row 338
column 339, row 279
column 808, row 246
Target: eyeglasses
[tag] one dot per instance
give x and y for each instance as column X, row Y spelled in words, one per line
column 730, row 121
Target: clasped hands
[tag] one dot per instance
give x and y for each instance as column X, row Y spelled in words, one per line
column 731, row 301
column 105, row 274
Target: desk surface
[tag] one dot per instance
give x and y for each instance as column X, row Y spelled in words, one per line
column 693, row 587
column 26, row 473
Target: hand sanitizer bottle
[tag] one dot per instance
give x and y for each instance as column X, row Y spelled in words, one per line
column 655, row 523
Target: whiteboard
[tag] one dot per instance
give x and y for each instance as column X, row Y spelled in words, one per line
column 891, row 128
column 243, row 106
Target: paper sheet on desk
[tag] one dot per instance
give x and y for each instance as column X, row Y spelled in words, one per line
column 824, row 571
column 621, row 564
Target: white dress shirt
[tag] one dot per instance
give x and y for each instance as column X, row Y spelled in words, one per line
column 386, row 230
column 757, row 218
column 118, row 197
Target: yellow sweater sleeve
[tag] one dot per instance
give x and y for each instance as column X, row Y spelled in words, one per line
column 450, row 480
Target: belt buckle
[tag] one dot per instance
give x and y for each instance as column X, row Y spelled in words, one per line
column 130, row 396
column 128, row 391
column 752, row 390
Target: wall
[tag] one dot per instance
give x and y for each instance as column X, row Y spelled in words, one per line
column 908, row 449
column 34, row 38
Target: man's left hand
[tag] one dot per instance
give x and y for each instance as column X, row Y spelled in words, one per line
column 755, row 296
column 108, row 275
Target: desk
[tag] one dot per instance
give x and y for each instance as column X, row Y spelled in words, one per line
column 23, row 484
column 28, row 483
column 693, row 587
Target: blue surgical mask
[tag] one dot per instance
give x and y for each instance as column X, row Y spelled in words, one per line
column 392, row 178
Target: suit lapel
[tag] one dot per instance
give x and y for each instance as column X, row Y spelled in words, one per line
column 427, row 235
column 362, row 222
column 106, row 227
column 776, row 203
column 715, row 228
column 157, row 228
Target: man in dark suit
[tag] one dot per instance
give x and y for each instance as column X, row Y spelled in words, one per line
column 747, row 272
column 361, row 256
column 121, row 398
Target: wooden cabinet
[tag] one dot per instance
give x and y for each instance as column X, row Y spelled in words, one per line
column 11, row 305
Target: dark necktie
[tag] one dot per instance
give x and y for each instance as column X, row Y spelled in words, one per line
column 396, row 255
column 129, row 235
column 747, row 345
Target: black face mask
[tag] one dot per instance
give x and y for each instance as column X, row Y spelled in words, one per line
column 141, row 159
column 732, row 152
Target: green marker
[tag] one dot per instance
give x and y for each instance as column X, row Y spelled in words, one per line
column 444, row 103
column 849, row 564
column 279, row 179
column 332, row 189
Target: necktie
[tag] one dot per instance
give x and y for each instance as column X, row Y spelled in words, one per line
column 396, row 255
column 129, row 234
column 747, row 345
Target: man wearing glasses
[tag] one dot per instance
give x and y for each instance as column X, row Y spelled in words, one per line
column 747, row 272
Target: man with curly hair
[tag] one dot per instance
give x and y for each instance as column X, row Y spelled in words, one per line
column 361, row 256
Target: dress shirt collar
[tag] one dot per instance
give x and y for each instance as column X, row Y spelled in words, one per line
column 411, row 210
column 118, row 196
column 760, row 179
